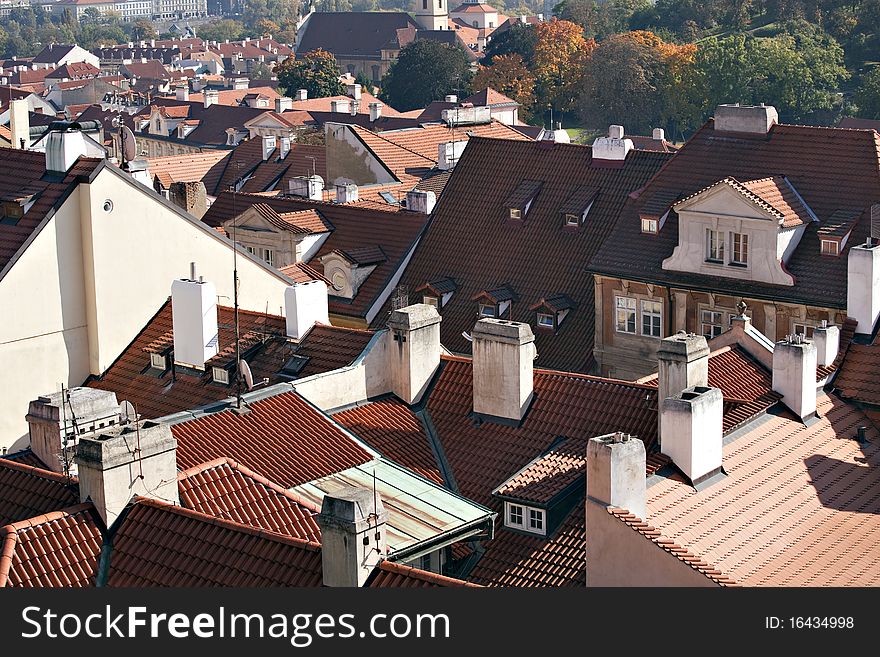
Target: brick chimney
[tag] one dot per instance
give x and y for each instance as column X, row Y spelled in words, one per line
column 863, row 285
column 692, row 431
column 353, row 536
column 139, row 458
column 414, row 350
column 304, row 305
column 190, row 196
column 755, row 119
column 794, row 375
column 503, row 362
column 194, row 320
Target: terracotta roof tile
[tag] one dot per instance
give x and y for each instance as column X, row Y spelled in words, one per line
column 190, row 167
column 331, row 347
column 798, row 507
column 398, row 576
column 283, row 437
column 27, row 491
column 225, row 489
column 162, row 545
column 58, row 549
column 859, row 375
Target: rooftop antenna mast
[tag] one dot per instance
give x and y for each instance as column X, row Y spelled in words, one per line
column 237, row 165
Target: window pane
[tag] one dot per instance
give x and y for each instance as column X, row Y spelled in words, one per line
column 626, row 315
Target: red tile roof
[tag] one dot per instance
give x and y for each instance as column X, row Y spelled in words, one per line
column 798, row 507
column 162, row 545
column 425, row 140
column 331, row 347
column 27, row 491
column 550, row 474
column 831, row 168
column 282, row 437
column 490, row 97
column 234, row 97
column 75, row 70
column 393, row 429
column 22, row 171
column 859, row 375
column 58, row 549
column 398, row 576
column 224, row 489
column 190, row 167
column 774, row 195
column 537, row 258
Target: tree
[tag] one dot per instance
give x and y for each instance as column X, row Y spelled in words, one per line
column 519, row 39
column 143, row 30
column 261, row 71
column 221, row 30
column 601, row 19
column 510, row 76
column 561, row 53
column 426, row 71
column 316, row 71
column 868, row 95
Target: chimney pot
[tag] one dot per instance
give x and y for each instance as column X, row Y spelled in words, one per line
column 794, row 375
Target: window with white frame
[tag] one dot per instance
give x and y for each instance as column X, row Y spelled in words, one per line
column 546, row 320
column 431, row 301
column 711, row 323
column 157, row 361
column 515, row 213
column 739, row 249
column 536, row 520
column 830, row 247
column 251, row 250
column 649, row 226
column 714, row 245
column 651, row 318
column 487, row 310
column 515, row 516
column 526, row 518
column 572, row 220
column 626, row 314
column 268, row 255
column 220, row 375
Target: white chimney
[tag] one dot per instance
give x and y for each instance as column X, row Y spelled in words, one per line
column 49, row 423
column 354, row 90
column 692, row 430
column 283, row 104
column 353, row 536
column 503, row 361
column 347, row 193
column 659, row 134
column 268, row 146
column 615, row 132
column 612, row 148
column 375, row 111
column 182, row 93
column 557, row 135
column 124, row 461
column 421, row 201
column 682, row 362
column 211, row 97
column 794, row 375
column 448, row 154
column 284, row 147
column 827, row 341
column 20, row 123
column 756, row 119
column 304, row 305
column 194, row 320
column 63, row 148
column 414, row 350
column 616, row 473
column 451, row 98
column 863, row 286
column 339, row 106
column 302, row 94
column 311, row 187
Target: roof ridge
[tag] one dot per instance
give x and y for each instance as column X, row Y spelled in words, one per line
column 227, row 524
column 424, row 575
column 683, row 554
column 395, row 144
column 38, row 472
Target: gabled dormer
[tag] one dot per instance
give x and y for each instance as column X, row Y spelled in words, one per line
column 517, row 205
column 438, row 292
column 577, row 206
column 159, row 352
column 656, row 209
column 496, row 302
column 551, row 311
column 741, row 229
column 348, row 269
column 835, row 231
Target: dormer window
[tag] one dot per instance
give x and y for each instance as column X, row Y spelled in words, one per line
column 515, row 213
column 550, row 311
column 525, row 518
column 830, row 247
column 519, row 202
column 12, row 213
column 834, row 233
column 495, row 302
column 572, row 220
column 220, row 375
column 577, row 207
column 487, row 310
column 546, row 320
column 438, row 292
column 431, row 301
column 649, row 226
column 656, row 209
column 158, row 362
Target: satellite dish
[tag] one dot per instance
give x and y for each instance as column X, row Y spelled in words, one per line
column 127, row 413
column 245, row 370
column 129, row 144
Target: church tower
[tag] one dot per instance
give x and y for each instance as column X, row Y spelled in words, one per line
column 432, row 14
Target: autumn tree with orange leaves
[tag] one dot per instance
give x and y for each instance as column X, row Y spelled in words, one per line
column 510, row 76
column 560, row 57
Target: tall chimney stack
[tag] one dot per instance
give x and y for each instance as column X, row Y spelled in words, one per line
column 692, row 429
column 863, row 285
column 305, row 304
column 827, row 341
column 682, row 362
column 414, row 351
column 194, row 320
column 503, row 362
column 794, row 375
column 353, row 536
column 19, row 123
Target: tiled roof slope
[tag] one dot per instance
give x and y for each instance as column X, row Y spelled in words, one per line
column 282, row 437
column 247, row 161
column 331, row 347
column 425, row 140
column 190, row 167
column 859, row 375
column 469, row 241
column 26, row 491
column 58, row 549
column 489, row 96
column 213, row 120
column 483, row 457
column 406, row 165
column 549, row 475
column 831, row 168
column 361, row 35
column 224, row 489
column 21, row 172
column 355, row 227
column 398, row 576
column 162, row 545
column 799, row 505
column 392, row 429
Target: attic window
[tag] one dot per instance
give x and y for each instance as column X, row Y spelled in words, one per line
column 649, row 226
column 551, row 311
column 577, row 206
column 546, row 320
column 220, row 375
column 487, row 310
column 572, row 220
column 431, row 301
column 12, row 212
column 830, row 247
column 655, row 211
column 294, row 366
column 515, row 213
column 158, row 361
column 519, row 202
column 438, row 292
column 525, row 518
